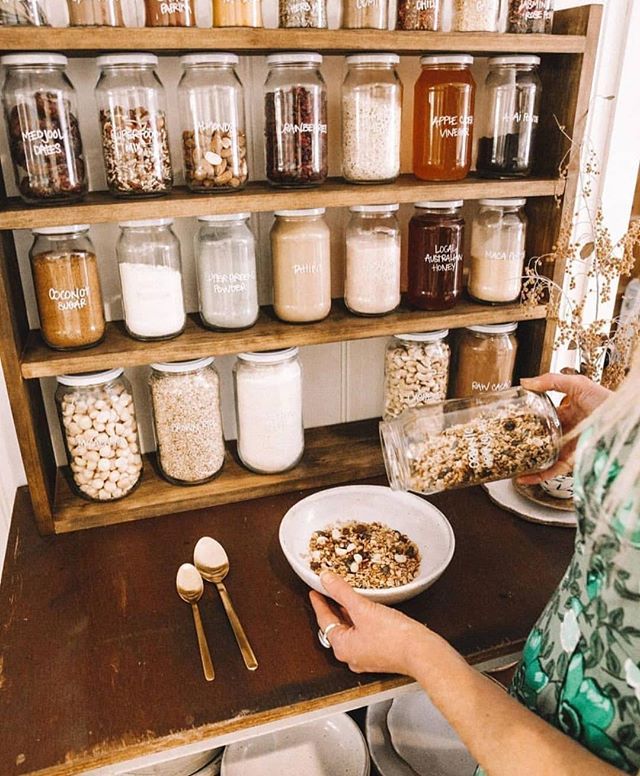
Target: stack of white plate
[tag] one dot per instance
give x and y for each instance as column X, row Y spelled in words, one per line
column 409, row 737
column 200, row 764
column 333, row 746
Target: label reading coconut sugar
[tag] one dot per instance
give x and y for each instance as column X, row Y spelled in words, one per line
column 289, row 128
column 443, row 259
column 69, row 298
column 230, row 282
column 452, row 126
column 44, row 142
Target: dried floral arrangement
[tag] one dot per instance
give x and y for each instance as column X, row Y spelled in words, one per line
column 594, row 264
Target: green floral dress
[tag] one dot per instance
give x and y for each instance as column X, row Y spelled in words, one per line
column 580, row 669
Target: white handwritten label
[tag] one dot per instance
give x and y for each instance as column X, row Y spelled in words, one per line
column 445, row 258
column 69, row 298
column 452, row 126
column 295, row 129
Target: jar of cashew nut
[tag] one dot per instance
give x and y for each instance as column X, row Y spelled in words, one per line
column 100, row 432
column 416, row 371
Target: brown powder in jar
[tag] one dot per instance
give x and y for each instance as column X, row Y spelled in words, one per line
column 485, row 363
column 69, row 299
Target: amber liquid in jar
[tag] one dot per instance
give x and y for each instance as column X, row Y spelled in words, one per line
column 443, row 122
column 170, row 13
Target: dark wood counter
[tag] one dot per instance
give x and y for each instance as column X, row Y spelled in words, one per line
column 98, row 657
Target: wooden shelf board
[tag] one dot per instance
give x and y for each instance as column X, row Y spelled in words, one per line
column 333, row 454
column 90, row 40
column 259, row 196
column 119, row 349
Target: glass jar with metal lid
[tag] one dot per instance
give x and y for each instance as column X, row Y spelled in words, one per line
column 187, row 421
column 214, row 140
column 133, row 121
column 371, row 118
column 150, row 267
column 67, row 286
column 226, row 272
column 372, row 264
column 416, row 371
column 295, row 120
column 485, row 359
column 507, row 144
column 498, row 235
column 100, row 433
column 268, row 388
column 41, row 110
column 18, row 13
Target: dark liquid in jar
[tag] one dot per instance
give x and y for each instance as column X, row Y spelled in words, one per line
column 506, row 156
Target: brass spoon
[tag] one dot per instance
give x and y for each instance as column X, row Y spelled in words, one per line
column 212, row 562
column 190, row 586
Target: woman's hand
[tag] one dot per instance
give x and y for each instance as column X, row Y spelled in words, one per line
column 582, row 397
column 369, row 637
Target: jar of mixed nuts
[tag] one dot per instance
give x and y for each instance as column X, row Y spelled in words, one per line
column 296, row 120
column 100, row 432
column 41, row 112
column 416, row 371
column 302, row 13
column 67, row 286
column 23, row 12
column 135, row 140
column 185, row 398
column 214, row 141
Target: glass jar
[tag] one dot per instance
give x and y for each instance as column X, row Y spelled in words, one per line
column 187, row 421
column 475, row 15
column 416, row 371
column 419, row 15
column 296, row 120
column 237, row 13
column 177, row 13
column 485, row 359
column 67, row 287
column 41, row 110
column 507, row 145
column 151, row 279
column 371, row 119
column 135, row 140
column 268, row 388
column 469, row 441
column 100, row 433
column 436, row 255
column 23, row 13
column 498, row 234
column 530, row 16
column 226, row 270
column 103, row 13
column 372, row 264
column 301, row 257
column 302, row 13
column 444, row 99
column 365, row 14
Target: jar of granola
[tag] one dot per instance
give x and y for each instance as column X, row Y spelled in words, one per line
column 135, row 140
column 416, row 371
column 469, row 441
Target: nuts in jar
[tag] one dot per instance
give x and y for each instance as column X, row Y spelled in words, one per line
column 222, row 165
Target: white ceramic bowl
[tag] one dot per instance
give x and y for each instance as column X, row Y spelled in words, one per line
column 404, row 512
column 559, row 487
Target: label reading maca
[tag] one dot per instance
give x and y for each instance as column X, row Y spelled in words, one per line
column 452, row 126
column 515, row 256
column 444, row 259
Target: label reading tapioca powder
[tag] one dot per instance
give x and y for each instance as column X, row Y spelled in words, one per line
column 453, row 126
column 69, row 298
column 443, row 259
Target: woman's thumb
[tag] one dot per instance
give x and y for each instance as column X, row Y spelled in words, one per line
column 341, row 591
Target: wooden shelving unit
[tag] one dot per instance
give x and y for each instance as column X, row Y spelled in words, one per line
column 337, row 453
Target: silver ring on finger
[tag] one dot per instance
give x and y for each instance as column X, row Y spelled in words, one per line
column 323, row 635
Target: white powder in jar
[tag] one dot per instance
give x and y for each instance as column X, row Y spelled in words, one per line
column 371, row 121
column 152, row 300
column 372, row 278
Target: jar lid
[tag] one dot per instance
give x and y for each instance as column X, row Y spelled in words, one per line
column 147, row 222
column 447, row 59
column 204, row 58
column 442, row 204
column 224, row 217
column 423, row 336
column 373, row 59
column 73, row 229
column 269, row 356
column 15, row 60
column 183, row 366
column 374, row 208
column 511, row 202
column 127, row 59
column 494, row 328
column 90, row 378
column 294, row 58
column 314, row 211
column 514, row 60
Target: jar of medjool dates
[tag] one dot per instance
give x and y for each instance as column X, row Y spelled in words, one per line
column 296, row 120
column 42, row 126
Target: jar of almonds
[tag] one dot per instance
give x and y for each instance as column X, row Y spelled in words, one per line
column 100, row 432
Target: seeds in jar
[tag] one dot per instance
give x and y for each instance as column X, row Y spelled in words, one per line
column 418, row 15
column 415, row 374
column 215, row 158
column 366, row 555
column 135, row 144
column 371, row 123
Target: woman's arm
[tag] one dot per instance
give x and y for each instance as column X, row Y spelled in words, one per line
column 506, row 738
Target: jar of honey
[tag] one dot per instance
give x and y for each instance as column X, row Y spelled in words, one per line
column 443, row 118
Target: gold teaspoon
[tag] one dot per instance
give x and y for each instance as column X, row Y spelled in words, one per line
column 190, row 586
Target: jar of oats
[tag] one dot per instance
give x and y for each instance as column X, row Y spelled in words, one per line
column 416, row 371
column 470, row 441
column 185, row 399
column 100, row 433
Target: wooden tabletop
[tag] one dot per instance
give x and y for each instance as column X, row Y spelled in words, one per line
column 98, row 658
